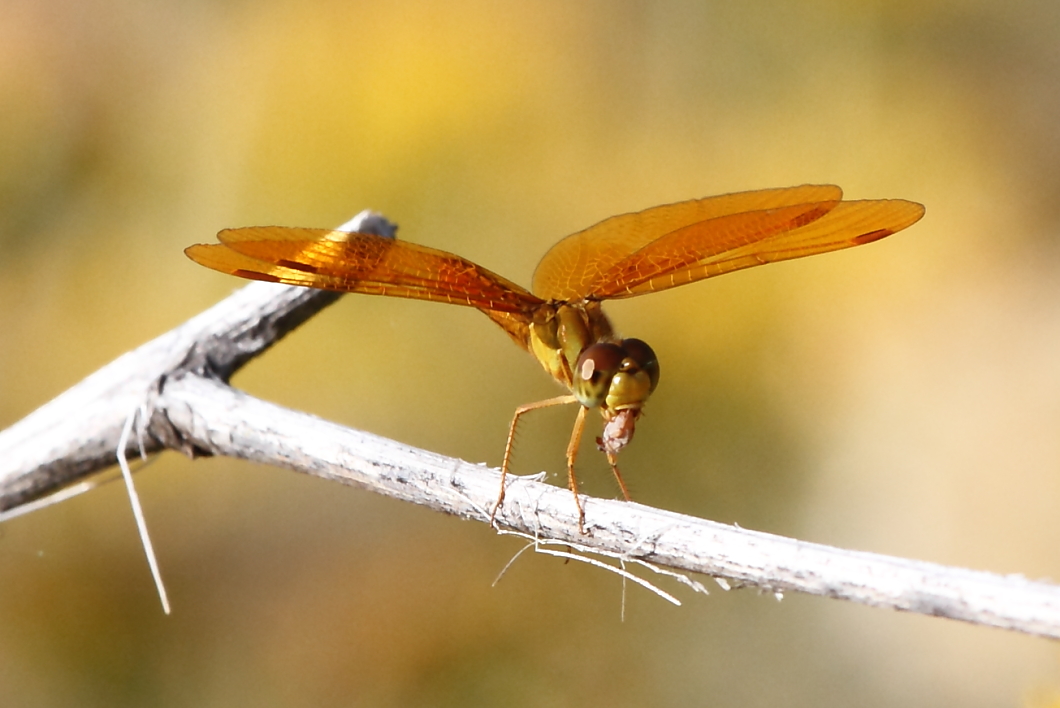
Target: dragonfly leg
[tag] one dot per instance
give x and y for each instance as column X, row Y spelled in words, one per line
column 510, row 444
column 613, row 461
column 572, row 455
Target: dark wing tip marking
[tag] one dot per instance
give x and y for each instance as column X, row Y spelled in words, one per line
column 297, row 265
column 255, row 275
column 871, row 236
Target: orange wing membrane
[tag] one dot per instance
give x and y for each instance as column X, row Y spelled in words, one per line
column 359, row 263
column 571, row 267
column 696, row 252
column 631, row 254
column 561, row 323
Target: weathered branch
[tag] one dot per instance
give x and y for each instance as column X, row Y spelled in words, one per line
column 217, row 418
column 77, row 433
column 179, row 379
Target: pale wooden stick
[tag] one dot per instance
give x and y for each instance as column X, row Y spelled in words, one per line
column 216, row 418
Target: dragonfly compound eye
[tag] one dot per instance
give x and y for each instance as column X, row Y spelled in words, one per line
column 636, row 378
column 594, row 371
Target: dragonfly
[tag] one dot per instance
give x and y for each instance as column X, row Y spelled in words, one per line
column 560, row 320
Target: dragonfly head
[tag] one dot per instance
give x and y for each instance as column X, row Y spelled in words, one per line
column 617, row 378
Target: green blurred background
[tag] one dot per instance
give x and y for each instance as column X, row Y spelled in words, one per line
column 902, row 398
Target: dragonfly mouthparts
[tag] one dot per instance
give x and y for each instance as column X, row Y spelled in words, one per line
column 618, row 431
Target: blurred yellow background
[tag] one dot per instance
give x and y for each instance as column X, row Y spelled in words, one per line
column 902, row 398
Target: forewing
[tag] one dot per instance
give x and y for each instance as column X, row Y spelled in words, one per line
column 581, row 263
column 745, row 240
column 360, row 263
